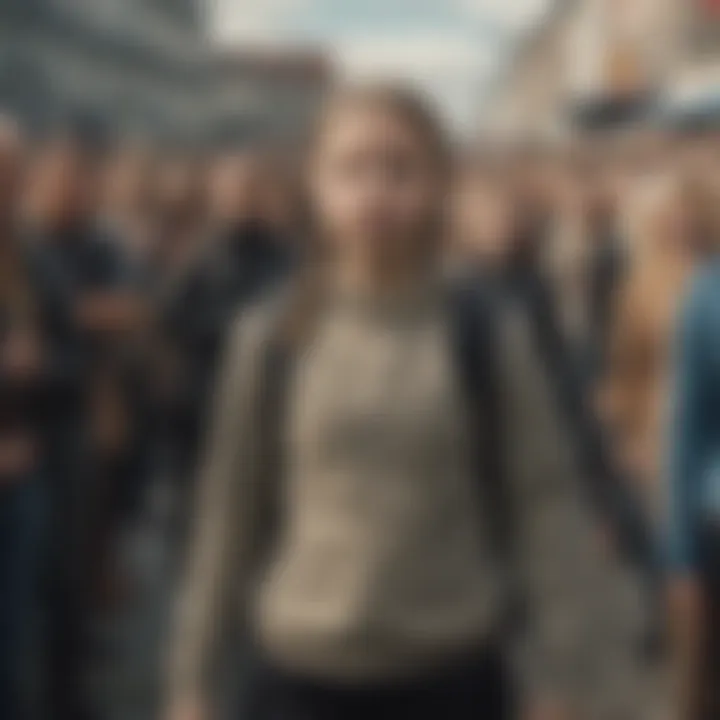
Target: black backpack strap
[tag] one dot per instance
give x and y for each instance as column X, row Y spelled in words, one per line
column 276, row 368
column 608, row 492
column 476, row 344
column 476, row 353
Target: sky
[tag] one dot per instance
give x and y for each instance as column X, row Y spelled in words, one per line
column 451, row 48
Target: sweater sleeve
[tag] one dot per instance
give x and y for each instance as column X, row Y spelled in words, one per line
column 688, row 427
column 229, row 494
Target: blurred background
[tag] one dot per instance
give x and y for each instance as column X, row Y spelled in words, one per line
column 198, row 71
column 167, row 131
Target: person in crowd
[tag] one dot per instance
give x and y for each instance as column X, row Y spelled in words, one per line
column 671, row 235
column 129, row 206
column 482, row 213
column 28, row 378
column 692, row 532
column 667, row 246
column 179, row 222
column 608, row 262
column 357, row 503
column 584, row 262
column 129, row 217
column 239, row 259
column 92, row 309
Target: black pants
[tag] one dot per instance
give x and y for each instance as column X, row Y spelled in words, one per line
column 68, row 581
column 477, row 687
column 710, row 559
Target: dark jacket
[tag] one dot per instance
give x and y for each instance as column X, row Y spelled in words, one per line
column 239, row 265
column 72, row 264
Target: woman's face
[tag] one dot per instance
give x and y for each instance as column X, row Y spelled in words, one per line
column 375, row 188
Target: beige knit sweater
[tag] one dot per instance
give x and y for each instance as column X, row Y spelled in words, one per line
column 379, row 568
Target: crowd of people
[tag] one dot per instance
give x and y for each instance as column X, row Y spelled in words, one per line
column 114, row 307
column 485, row 377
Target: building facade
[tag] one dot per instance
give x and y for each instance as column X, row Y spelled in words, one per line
column 131, row 63
column 593, row 57
column 268, row 93
column 145, row 67
column 527, row 98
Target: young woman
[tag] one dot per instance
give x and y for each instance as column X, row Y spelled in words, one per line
column 378, row 592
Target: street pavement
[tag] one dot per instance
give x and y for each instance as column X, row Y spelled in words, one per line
column 128, row 684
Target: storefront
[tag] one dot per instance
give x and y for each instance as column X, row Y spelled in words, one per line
column 692, row 95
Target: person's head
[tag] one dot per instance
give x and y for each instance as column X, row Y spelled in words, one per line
column 659, row 222
column 236, row 189
column 378, row 179
column 482, row 216
column 701, row 196
column 11, row 168
column 64, row 188
column 129, row 182
column 179, row 194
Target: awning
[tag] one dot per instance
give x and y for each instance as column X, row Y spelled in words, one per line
column 610, row 113
column 693, row 101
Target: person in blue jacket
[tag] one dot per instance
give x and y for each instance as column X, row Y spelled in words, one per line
column 694, row 501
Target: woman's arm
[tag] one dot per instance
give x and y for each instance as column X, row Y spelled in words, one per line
column 227, row 519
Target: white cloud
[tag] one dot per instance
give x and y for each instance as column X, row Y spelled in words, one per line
column 449, row 68
column 253, row 20
column 418, row 53
column 451, row 62
column 511, row 15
